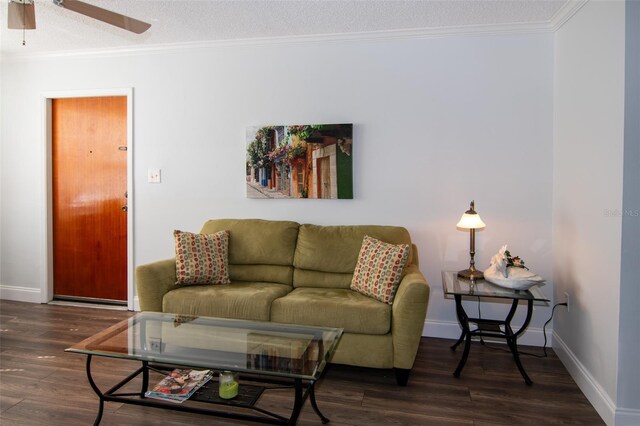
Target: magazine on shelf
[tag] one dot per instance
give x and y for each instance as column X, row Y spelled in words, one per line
column 179, row 385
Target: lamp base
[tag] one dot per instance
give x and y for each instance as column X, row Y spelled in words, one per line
column 471, row 274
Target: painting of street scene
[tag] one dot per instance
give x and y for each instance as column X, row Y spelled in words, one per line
column 301, row 161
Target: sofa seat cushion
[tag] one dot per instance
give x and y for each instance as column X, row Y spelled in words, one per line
column 333, row 307
column 240, row 300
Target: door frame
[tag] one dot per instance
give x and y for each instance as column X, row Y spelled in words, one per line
column 46, row 293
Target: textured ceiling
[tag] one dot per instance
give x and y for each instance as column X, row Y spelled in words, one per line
column 189, row 21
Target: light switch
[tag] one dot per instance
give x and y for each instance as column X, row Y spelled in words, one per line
column 153, row 175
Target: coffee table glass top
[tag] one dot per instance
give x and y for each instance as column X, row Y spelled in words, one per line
column 282, row 350
column 454, row 285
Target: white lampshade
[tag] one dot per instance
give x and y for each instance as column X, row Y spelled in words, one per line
column 471, row 221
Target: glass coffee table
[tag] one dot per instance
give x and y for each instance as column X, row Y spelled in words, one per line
column 277, row 355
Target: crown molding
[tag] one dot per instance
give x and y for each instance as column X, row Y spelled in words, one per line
column 565, row 13
column 560, row 18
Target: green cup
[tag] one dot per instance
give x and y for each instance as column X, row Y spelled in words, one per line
column 228, row 385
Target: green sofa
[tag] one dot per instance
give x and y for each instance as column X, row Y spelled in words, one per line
column 285, row 272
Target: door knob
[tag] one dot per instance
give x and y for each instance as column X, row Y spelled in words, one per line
column 125, row 208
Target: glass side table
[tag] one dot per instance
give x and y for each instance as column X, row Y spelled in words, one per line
column 456, row 287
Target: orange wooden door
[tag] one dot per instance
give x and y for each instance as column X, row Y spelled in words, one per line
column 89, row 138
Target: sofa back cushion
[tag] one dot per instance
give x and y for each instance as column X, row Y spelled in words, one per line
column 326, row 256
column 259, row 250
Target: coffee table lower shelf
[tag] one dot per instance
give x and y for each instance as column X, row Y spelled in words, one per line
column 246, row 399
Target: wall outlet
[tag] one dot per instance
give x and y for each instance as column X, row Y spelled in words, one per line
column 155, row 344
column 153, row 175
column 566, row 299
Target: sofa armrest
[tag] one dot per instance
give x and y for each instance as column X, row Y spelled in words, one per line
column 409, row 311
column 153, row 281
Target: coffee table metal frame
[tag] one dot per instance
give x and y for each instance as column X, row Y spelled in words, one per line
column 302, row 382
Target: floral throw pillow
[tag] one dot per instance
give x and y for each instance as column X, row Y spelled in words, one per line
column 379, row 269
column 202, row 258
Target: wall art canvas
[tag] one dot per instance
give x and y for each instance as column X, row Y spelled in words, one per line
column 300, row 161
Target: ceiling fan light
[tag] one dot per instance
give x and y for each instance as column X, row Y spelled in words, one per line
column 22, row 15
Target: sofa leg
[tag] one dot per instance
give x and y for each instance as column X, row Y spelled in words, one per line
column 402, row 375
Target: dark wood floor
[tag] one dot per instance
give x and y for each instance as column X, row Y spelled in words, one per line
column 40, row 384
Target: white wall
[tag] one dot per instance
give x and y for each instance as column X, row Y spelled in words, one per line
column 629, row 338
column 437, row 123
column 587, row 199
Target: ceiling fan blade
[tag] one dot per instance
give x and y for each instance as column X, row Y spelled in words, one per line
column 22, row 16
column 104, row 15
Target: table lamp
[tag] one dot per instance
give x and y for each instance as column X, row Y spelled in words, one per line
column 471, row 220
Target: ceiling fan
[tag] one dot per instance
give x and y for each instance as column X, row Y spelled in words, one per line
column 22, row 15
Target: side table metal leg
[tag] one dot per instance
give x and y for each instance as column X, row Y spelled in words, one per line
column 465, row 354
column 455, row 345
column 512, row 338
column 312, row 396
column 463, row 319
column 95, row 388
column 513, row 345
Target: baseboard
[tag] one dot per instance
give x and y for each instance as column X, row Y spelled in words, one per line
column 20, row 294
column 451, row 330
column 32, row 295
column 626, row 417
column 596, row 395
